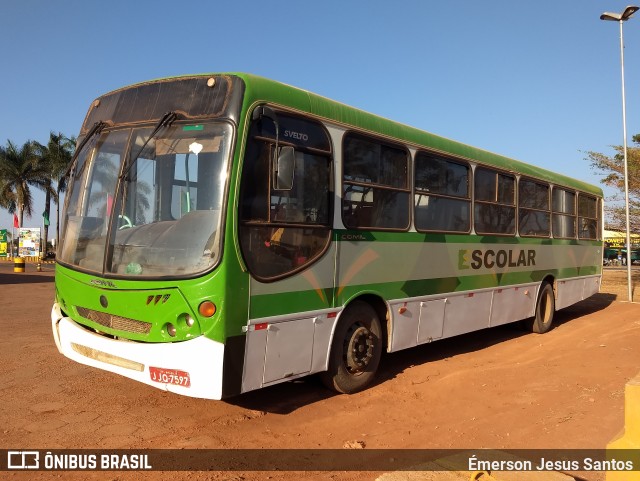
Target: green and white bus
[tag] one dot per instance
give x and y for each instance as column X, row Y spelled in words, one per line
column 225, row 232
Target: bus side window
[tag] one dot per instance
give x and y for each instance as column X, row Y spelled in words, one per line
column 564, row 213
column 375, row 192
column 587, row 217
column 442, row 200
column 285, row 229
column 494, row 202
column 534, row 217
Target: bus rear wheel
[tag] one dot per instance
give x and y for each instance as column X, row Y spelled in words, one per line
column 355, row 351
column 545, row 309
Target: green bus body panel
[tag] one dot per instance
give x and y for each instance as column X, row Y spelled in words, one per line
column 145, row 301
column 370, row 268
column 228, row 284
column 271, row 305
column 415, row 237
column 261, row 89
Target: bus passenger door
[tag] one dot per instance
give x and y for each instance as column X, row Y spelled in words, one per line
column 285, row 231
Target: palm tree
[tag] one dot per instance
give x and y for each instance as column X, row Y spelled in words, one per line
column 55, row 158
column 19, row 170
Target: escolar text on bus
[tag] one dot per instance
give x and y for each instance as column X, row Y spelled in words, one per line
column 489, row 258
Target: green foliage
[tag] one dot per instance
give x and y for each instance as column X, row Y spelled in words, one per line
column 612, row 168
column 19, row 171
column 54, row 157
column 32, row 165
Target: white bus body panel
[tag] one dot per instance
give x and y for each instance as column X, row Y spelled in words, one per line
column 513, row 303
column 571, row 291
column 201, row 357
column 421, row 321
column 286, row 348
column 431, row 320
column 466, row 312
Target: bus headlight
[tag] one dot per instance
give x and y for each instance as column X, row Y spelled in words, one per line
column 171, row 329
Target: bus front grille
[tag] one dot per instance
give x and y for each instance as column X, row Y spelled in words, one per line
column 115, row 322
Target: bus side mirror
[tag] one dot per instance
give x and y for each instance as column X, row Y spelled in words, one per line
column 264, row 111
column 283, row 168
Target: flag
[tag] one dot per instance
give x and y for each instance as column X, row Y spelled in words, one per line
column 15, row 221
column 109, row 204
column 45, row 215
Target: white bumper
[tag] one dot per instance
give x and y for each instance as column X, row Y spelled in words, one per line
column 201, row 358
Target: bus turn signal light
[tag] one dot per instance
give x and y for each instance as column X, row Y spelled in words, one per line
column 207, row 309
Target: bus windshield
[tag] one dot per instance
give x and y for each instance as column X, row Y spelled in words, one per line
column 158, row 214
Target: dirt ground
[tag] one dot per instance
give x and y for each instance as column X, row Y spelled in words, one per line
column 499, row 388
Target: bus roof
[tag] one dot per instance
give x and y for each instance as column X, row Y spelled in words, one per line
column 262, row 89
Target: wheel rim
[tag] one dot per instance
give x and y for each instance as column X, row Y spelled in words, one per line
column 359, row 348
column 545, row 307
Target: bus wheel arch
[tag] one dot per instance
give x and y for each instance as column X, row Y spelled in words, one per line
column 545, row 308
column 356, row 346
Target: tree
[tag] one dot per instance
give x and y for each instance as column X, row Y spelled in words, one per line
column 20, row 169
column 613, row 170
column 55, row 158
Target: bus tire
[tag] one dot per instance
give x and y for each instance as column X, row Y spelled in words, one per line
column 356, row 350
column 545, row 309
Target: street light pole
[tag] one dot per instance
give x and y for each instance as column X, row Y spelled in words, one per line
column 621, row 18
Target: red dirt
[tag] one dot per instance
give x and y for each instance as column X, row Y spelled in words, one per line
column 498, row 388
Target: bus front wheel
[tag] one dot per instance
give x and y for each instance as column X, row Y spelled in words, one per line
column 545, row 308
column 355, row 351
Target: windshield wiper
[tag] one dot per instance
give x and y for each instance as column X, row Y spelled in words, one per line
column 166, row 120
column 96, row 129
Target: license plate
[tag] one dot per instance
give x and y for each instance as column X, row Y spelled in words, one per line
column 170, row 376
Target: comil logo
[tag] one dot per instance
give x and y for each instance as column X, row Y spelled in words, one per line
column 23, row 460
column 103, row 283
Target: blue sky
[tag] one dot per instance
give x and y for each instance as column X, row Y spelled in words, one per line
column 536, row 81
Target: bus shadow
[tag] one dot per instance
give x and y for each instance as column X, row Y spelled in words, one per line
column 21, row 278
column 284, row 398
column 397, row 362
column 289, row 396
column 591, row 305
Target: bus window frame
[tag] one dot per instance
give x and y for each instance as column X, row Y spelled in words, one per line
column 533, row 180
column 565, row 214
column 416, row 190
column 273, row 223
column 498, row 172
column 408, row 186
column 581, row 194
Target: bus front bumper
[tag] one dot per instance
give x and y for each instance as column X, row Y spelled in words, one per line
column 191, row 368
